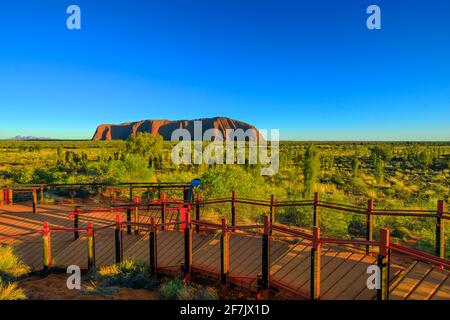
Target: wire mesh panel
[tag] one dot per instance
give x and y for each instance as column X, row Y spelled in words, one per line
column 245, row 258
column 137, row 248
column 29, row 249
column 69, row 251
column 105, row 249
column 170, row 250
column 206, row 255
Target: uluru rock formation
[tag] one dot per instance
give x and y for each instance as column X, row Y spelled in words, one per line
column 166, row 127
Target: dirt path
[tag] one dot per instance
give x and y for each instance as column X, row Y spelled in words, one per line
column 53, row 287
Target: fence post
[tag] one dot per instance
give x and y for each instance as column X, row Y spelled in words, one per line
column 137, row 200
column 197, row 213
column 42, row 199
column 34, row 194
column 315, row 265
column 163, row 209
column 272, row 212
column 111, row 196
column 440, row 230
column 153, row 248
column 117, row 240
column 369, row 225
column 131, row 193
column 75, row 223
column 10, row 197
column 224, row 245
column 316, row 215
column 383, row 265
column 187, row 246
column 46, row 246
column 233, row 209
column 265, row 258
column 128, row 220
column 91, row 246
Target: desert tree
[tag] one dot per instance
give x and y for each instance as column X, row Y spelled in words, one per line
column 379, row 170
column 311, row 167
column 355, row 167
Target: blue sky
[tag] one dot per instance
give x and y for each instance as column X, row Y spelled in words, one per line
column 309, row 68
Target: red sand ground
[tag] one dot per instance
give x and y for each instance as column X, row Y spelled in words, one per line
column 53, row 287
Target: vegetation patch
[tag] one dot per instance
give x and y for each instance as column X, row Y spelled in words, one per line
column 176, row 289
column 127, row 274
column 11, row 269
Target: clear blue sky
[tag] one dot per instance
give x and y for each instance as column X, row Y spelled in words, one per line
column 309, row 68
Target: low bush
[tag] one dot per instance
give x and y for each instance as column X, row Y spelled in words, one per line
column 128, row 274
column 11, row 265
column 11, row 268
column 10, row 291
column 175, row 289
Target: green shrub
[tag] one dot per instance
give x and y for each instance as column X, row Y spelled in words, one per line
column 402, row 233
column 169, row 289
column 298, row 216
column 132, row 169
column 175, row 289
column 21, row 174
column 357, row 228
column 128, row 274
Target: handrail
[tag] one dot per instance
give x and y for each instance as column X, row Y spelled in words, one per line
column 414, row 253
column 97, row 184
column 420, row 255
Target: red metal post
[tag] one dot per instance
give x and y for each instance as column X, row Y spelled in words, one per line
column 137, row 200
column 315, row 265
column 46, row 246
column 153, row 248
column 383, row 265
column 224, row 252
column 75, row 223
column 233, row 209
column 187, row 245
column 369, row 224
column 316, row 215
column 42, row 199
column 34, row 195
column 118, row 248
column 440, row 230
column 197, row 213
column 265, row 270
column 272, row 212
column 163, row 209
column 91, row 246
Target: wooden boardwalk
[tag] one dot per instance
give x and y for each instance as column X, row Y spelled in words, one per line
column 343, row 270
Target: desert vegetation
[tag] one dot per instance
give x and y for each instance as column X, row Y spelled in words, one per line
column 396, row 175
column 135, row 274
column 11, row 270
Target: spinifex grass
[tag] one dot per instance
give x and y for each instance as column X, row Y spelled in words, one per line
column 11, row 268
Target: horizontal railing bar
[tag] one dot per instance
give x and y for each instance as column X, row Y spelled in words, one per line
column 420, row 255
column 292, row 232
